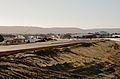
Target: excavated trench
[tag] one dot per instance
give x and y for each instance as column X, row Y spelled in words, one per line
column 84, row 61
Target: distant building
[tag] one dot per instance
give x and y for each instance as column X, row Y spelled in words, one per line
column 14, row 41
column 76, row 35
column 31, row 37
column 83, row 35
column 20, row 37
column 8, row 36
column 54, row 37
column 18, row 41
column 103, row 33
column 30, row 41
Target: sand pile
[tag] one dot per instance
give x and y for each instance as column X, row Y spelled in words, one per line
column 88, row 60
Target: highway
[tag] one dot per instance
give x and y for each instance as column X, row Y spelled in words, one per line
column 113, row 39
column 11, row 49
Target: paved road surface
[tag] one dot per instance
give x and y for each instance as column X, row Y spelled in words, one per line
column 13, row 48
column 113, row 39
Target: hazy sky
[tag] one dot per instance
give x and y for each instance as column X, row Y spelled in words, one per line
column 61, row 13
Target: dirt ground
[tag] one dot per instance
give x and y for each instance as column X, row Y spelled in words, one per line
column 97, row 60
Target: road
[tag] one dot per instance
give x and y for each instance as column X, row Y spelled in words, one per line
column 6, row 50
column 113, row 39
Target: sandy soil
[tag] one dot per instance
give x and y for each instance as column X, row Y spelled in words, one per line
column 97, row 60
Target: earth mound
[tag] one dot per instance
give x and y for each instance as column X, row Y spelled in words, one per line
column 89, row 60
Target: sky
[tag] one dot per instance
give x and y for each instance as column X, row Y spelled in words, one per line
column 84, row 14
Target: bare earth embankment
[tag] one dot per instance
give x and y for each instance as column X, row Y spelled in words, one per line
column 98, row 60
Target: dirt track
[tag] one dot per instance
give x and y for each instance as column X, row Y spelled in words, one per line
column 89, row 60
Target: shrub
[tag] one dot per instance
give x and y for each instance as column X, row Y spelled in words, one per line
column 1, row 38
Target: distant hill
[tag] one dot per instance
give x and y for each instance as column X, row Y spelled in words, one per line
column 38, row 30
column 109, row 30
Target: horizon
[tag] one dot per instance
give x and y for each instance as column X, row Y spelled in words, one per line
column 84, row 14
column 63, row 27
